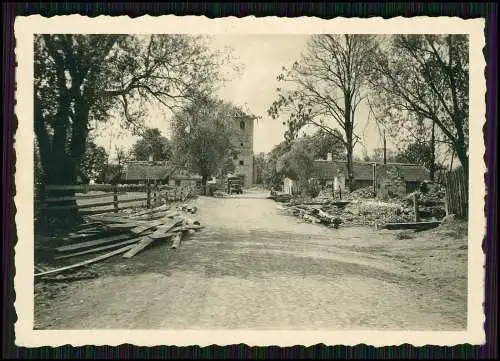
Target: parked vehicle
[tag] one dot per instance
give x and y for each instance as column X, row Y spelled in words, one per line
column 233, row 185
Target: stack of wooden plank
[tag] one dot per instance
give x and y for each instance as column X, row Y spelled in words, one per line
column 315, row 215
column 126, row 234
column 191, row 208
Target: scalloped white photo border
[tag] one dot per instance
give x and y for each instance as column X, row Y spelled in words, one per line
column 24, row 29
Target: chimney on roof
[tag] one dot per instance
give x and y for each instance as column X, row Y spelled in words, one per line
column 329, row 157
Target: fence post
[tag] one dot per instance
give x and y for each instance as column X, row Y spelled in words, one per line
column 415, row 207
column 148, row 191
column 115, row 198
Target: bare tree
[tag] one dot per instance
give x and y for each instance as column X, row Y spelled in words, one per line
column 327, row 88
column 425, row 77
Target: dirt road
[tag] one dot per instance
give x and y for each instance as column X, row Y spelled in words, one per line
column 254, row 267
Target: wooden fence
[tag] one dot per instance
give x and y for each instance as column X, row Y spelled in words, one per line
column 457, row 200
column 108, row 197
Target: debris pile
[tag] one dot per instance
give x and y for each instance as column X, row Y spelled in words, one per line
column 359, row 213
column 431, row 201
column 365, row 192
column 313, row 214
column 324, row 195
column 282, row 197
column 126, row 234
column 371, row 213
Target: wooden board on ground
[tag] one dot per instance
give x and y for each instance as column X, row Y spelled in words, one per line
column 86, row 225
column 143, row 243
column 110, row 219
column 98, row 249
column 96, row 242
column 163, row 214
column 144, row 227
column 168, row 226
column 188, row 220
column 176, row 243
column 162, row 233
column 150, row 211
column 171, row 214
column 124, row 226
column 411, row 225
column 87, row 262
column 149, row 217
column 192, row 227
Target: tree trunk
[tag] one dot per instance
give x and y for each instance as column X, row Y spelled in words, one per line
column 204, row 179
column 350, row 165
column 452, row 159
column 62, row 173
column 432, row 166
column 350, row 171
column 349, row 141
column 464, row 161
column 59, row 167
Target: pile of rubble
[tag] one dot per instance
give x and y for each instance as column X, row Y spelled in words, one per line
column 359, row 213
column 127, row 234
column 365, row 192
column 314, row 214
column 372, row 213
column 431, row 201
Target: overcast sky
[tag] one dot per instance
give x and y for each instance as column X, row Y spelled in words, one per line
column 261, row 57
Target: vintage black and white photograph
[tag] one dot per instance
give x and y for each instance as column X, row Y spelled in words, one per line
column 253, row 181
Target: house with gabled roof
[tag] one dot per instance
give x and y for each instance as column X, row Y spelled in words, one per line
column 369, row 173
column 140, row 172
column 333, row 174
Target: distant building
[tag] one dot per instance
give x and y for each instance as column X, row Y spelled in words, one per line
column 335, row 173
column 140, row 172
column 184, row 179
column 396, row 177
column 242, row 140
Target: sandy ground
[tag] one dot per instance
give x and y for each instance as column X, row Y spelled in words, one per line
column 255, row 267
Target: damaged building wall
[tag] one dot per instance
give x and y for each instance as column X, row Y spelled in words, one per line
column 390, row 183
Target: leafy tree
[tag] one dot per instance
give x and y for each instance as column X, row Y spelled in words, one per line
column 328, row 87
column 202, row 137
column 93, row 162
column 378, row 155
column 417, row 153
column 425, row 78
column 297, row 163
column 259, row 165
column 270, row 175
column 80, row 79
column 323, row 142
column 152, row 143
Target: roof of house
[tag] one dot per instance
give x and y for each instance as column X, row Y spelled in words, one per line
column 185, row 177
column 364, row 170
column 141, row 171
column 412, row 172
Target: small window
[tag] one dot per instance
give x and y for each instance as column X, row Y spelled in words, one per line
column 242, row 125
column 241, row 144
column 177, row 183
column 241, row 162
column 235, row 156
